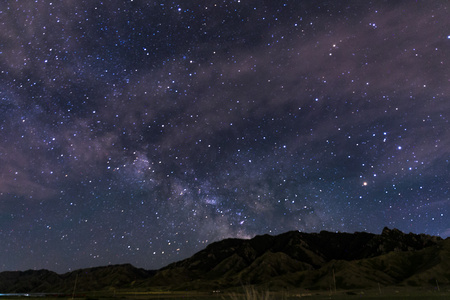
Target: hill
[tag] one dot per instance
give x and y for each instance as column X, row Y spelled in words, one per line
column 307, row 260
column 293, row 260
column 91, row 279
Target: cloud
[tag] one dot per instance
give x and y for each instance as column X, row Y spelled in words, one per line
column 18, row 176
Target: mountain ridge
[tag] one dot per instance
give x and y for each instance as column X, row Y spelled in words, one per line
column 290, row 260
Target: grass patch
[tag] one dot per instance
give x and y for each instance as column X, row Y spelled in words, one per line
column 250, row 293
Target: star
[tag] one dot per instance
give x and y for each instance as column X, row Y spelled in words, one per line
column 140, row 132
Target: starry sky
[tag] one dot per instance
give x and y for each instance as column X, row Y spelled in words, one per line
column 141, row 131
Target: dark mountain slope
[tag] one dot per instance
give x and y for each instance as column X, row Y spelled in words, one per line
column 290, row 260
column 100, row 278
column 93, row 279
column 409, row 268
column 25, row 282
column 233, row 262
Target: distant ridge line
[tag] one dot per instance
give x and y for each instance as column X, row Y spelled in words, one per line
column 291, row 260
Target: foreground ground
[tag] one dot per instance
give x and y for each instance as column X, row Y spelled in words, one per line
column 253, row 294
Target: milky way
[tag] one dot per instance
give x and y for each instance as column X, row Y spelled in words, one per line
column 140, row 131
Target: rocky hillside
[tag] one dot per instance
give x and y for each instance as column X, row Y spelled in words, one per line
column 92, row 279
column 296, row 259
column 290, row 260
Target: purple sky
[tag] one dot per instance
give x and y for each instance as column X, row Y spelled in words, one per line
column 139, row 132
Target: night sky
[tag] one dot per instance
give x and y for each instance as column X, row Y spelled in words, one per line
column 141, row 131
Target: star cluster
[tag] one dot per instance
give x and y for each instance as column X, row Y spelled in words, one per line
column 140, row 131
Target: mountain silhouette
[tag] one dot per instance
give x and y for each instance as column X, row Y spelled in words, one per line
column 286, row 261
